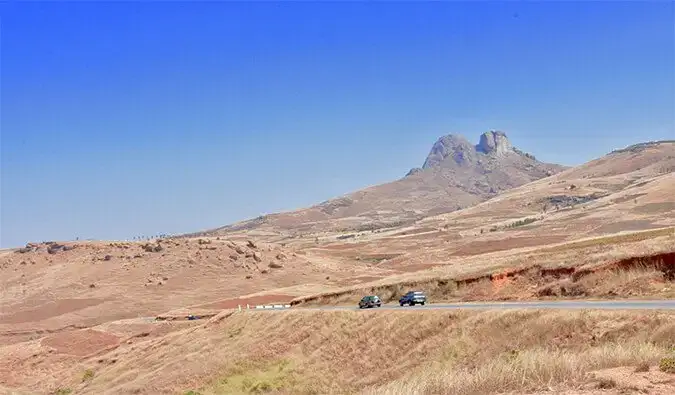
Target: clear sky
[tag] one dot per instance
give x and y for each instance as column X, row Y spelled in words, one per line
column 137, row 118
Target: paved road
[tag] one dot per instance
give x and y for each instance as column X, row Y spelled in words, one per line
column 667, row 304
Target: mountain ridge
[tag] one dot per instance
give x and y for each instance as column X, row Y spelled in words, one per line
column 455, row 174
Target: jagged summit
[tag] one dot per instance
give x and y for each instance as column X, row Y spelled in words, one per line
column 494, row 142
column 456, row 149
column 452, row 146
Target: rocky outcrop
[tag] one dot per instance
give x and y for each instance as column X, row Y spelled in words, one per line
column 148, row 247
column 454, row 150
column 494, row 142
column 450, row 147
column 414, row 171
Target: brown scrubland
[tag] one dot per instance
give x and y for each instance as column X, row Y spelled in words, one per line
column 109, row 317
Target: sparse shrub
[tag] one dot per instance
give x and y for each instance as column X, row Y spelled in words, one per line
column 522, row 222
column 88, row 375
column 152, row 248
column 667, row 364
column 63, row 391
column 642, row 367
column 605, row 383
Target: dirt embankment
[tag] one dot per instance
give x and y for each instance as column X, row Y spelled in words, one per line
column 651, row 275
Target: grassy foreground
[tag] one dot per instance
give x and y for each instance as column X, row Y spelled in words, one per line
column 411, row 352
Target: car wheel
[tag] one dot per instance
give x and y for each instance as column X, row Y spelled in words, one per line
column 401, row 304
column 423, row 303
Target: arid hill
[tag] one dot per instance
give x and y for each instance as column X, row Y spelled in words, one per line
column 52, row 287
column 577, row 218
column 455, row 175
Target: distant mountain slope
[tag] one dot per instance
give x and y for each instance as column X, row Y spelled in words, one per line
column 456, row 174
column 626, row 190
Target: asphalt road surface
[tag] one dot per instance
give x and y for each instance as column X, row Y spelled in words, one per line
column 666, row 304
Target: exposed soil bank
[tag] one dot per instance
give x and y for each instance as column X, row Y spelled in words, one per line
column 636, row 276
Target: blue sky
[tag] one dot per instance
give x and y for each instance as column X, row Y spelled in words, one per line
column 136, row 118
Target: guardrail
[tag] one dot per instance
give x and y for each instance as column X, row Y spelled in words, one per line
column 265, row 307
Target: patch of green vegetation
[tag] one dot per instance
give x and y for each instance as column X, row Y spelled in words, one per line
column 246, row 378
column 63, row 391
column 667, row 364
column 88, row 375
column 191, row 392
column 522, row 222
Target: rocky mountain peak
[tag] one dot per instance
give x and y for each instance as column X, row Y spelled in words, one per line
column 494, row 142
column 451, row 146
column 455, row 150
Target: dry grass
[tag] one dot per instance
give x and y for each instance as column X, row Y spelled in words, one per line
column 529, row 370
column 412, row 352
column 612, row 239
column 639, row 281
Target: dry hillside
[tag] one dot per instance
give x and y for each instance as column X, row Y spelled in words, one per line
column 64, row 286
column 455, row 175
column 534, row 225
column 309, row 352
column 78, row 316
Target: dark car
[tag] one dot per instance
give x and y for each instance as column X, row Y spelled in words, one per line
column 412, row 298
column 370, row 301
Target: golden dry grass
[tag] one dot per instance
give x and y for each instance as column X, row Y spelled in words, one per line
column 618, row 239
column 529, row 370
column 411, row 352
